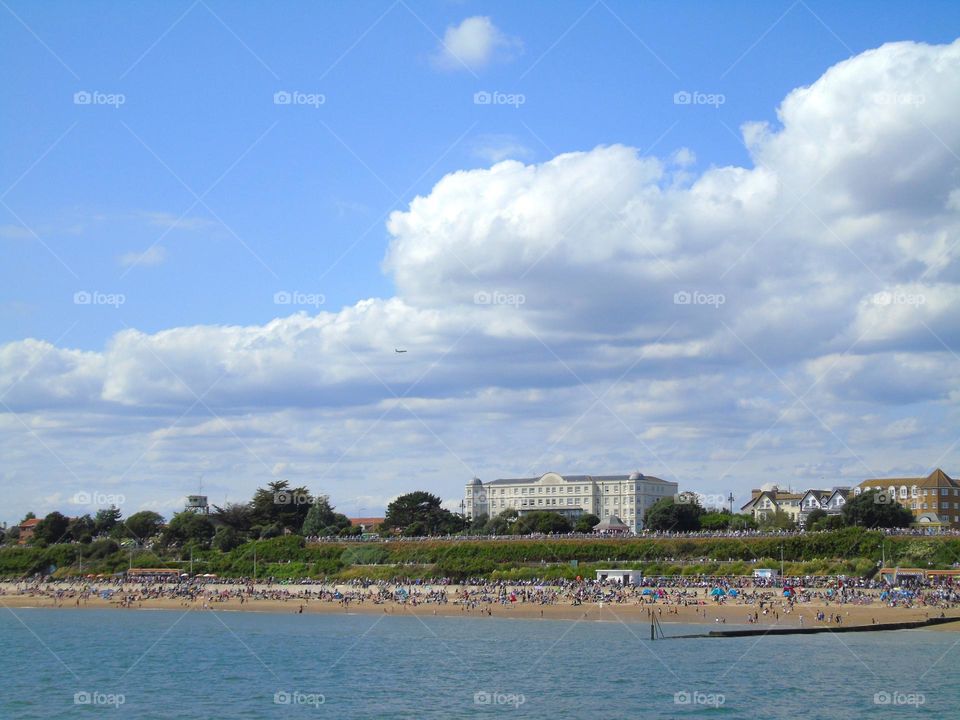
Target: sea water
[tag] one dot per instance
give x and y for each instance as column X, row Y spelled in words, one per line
column 211, row 664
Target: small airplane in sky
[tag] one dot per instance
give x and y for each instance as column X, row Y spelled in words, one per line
column 398, row 350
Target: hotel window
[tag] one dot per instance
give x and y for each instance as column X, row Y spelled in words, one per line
column 944, row 505
column 903, row 491
column 944, row 491
column 914, row 491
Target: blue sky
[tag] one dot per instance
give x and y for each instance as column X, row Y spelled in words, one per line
column 229, row 198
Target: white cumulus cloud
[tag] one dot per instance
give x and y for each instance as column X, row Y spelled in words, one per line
column 473, row 44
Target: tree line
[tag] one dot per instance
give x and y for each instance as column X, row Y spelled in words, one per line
column 279, row 509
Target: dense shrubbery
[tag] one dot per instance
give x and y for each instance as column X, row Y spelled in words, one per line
column 849, row 551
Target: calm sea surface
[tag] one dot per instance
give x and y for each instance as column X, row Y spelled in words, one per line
column 167, row 664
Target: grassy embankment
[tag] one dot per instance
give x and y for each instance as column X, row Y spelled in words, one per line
column 850, row 552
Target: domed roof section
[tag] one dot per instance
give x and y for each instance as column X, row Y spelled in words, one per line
column 477, row 481
column 636, row 475
column 769, row 487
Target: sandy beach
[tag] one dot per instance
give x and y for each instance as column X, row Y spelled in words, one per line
column 714, row 614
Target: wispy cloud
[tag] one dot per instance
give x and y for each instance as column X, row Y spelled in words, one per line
column 151, row 256
column 495, row 148
column 169, row 220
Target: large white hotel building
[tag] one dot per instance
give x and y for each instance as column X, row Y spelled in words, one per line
column 624, row 496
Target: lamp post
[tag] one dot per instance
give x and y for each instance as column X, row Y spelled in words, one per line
column 730, row 500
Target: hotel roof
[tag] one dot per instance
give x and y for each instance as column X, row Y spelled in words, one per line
column 578, row 479
column 938, row 478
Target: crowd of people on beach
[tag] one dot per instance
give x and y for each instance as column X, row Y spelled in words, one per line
column 764, row 597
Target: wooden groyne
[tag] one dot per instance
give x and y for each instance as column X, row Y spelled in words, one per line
column 759, row 632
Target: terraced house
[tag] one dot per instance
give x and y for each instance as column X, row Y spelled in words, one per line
column 934, row 499
column 766, row 500
column 623, row 496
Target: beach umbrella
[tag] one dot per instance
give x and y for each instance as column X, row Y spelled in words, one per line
column 734, row 593
column 717, row 591
column 647, row 591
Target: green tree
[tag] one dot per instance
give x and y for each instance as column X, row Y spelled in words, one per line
column 423, row 510
column 778, row 520
column 81, row 529
column 51, row 529
column 501, row 523
column 144, row 525
column 271, row 531
column 669, row 515
column 743, row 521
column 321, row 519
column 100, row 549
column 226, row 539
column 874, row 509
column 238, row 516
column 186, row 527
column 813, row 516
column 542, row 522
column 278, row 503
column 417, row 528
column 585, row 523
column 106, row 520
column 716, row 520
column 830, row 522
column 479, row 524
